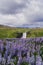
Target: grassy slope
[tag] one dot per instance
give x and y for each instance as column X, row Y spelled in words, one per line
column 7, row 32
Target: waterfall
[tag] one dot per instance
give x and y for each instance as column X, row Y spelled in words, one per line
column 24, row 35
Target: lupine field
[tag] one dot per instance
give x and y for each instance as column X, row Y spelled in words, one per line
column 18, row 51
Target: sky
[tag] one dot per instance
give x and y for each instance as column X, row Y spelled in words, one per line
column 20, row 12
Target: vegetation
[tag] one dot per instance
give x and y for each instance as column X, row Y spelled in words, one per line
column 10, row 32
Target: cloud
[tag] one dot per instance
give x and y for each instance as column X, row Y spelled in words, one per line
column 13, row 20
column 34, row 12
column 19, row 12
column 12, row 6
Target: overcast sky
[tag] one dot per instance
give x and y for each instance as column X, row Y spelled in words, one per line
column 19, row 12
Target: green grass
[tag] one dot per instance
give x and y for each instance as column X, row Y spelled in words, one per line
column 12, row 32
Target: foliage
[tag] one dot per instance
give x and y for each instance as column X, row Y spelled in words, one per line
column 24, row 63
column 13, row 32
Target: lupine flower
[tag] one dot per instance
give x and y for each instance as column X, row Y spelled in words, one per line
column 16, row 51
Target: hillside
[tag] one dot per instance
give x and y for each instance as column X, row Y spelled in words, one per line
column 12, row 32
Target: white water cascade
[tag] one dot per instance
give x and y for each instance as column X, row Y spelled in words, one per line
column 24, row 35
